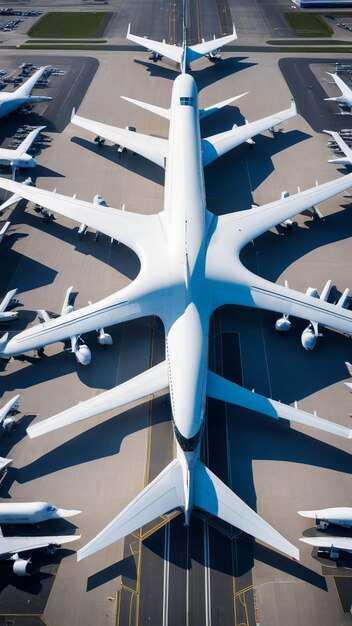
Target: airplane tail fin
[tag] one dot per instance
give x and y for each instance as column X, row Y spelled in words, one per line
column 171, row 490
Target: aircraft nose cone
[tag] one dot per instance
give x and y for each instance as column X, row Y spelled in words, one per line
column 66, row 513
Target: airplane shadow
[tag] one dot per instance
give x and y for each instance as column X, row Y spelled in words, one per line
column 128, row 160
column 125, row 567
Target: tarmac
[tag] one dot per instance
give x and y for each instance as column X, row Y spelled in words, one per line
column 175, row 575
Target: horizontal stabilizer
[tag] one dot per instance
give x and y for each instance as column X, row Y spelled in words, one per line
column 215, row 146
column 13, row 545
column 164, row 49
column 163, row 494
column 213, row 496
column 152, row 148
column 219, row 105
column 223, row 389
column 342, row 543
column 149, row 107
column 152, row 381
column 201, row 49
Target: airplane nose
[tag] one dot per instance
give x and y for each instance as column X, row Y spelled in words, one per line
column 65, row 513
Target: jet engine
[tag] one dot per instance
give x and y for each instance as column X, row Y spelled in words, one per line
column 104, row 339
column 83, row 354
column 283, row 324
column 22, row 567
column 309, row 338
column 8, row 423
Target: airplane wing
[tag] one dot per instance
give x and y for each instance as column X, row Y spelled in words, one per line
column 25, row 90
column 247, row 225
column 223, row 389
column 138, row 388
column 8, row 406
column 166, row 50
column 201, row 49
column 342, row 543
column 152, row 148
column 7, row 300
column 215, row 146
column 4, row 463
column 14, row 545
column 123, row 226
column 219, row 105
column 341, row 85
column 163, row 494
column 212, row 495
column 340, row 142
column 9, row 202
column 26, row 144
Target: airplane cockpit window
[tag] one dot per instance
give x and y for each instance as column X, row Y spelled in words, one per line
column 51, row 508
column 186, row 101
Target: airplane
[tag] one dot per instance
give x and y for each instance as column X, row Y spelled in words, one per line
column 184, row 55
column 349, row 368
column 11, row 547
column 347, row 159
column 99, row 200
column 19, row 158
column 78, row 347
column 9, row 101
column 32, row 512
column 6, row 316
column 190, row 266
column 14, row 198
column 334, row 544
column 341, row 516
column 7, row 421
column 311, row 333
column 346, row 98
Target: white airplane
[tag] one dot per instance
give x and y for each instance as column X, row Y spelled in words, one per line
column 11, row 547
column 14, row 198
column 190, row 266
column 341, row 516
column 335, row 544
column 311, row 333
column 346, row 98
column 7, row 421
column 184, row 55
column 349, row 368
column 6, row 316
column 9, row 101
column 78, row 347
column 31, row 512
column 98, row 200
column 19, row 158
column 347, row 159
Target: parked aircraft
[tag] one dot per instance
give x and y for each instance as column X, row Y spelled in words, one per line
column 334, row 544
column 346, row 98
column 341, row 516
column 7, row 421
column 9, row 101
column 31, row 512
column 184, row 55
column 311, row 333
column 11, row 547
column 78, row 347
column 190, row 266
column 6, row 316
column 19, row 158
column 347, row 159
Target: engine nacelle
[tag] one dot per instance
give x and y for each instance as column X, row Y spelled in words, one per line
column 283, row 325
column 309, row 338
column 104, row 339
column 22, row 567
column 311, row 291
column 68, row 309
column 83, row 354
column 8, row 423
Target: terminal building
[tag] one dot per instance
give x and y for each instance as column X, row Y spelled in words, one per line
column 324, row 4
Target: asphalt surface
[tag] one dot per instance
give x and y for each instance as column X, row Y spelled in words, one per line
column 309, row 93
